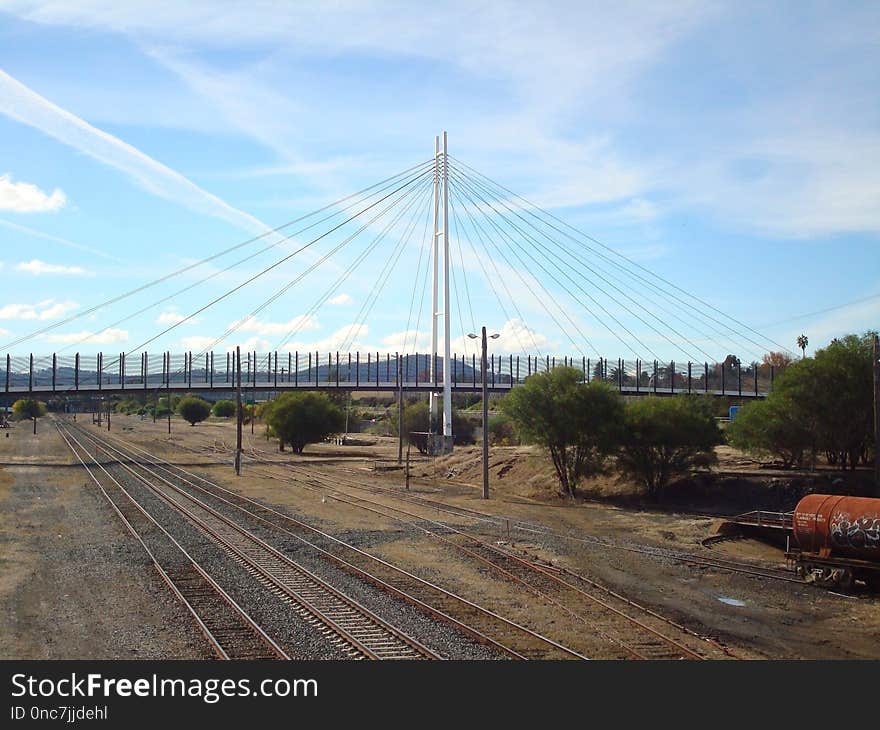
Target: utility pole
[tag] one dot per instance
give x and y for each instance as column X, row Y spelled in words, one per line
column 399, row 411
column 168, row 391
column 238, row 414
column 483, row 365
column 876, row 361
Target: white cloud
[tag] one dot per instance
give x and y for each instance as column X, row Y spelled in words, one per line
column 47, row 309
column 4, row 332
column 22, row 197
column 26, row 106
column 171, row 317
column 104, row 337
column 514, row 337
column 269, row 329
column 57, row 239
column 196, row 342
column 352, row 333
column 37, row 267
column 339, row 300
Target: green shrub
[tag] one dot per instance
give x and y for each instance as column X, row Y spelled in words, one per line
column 299, row 419
column 578, row 424
column 224, row 409
column 667, row 437
column 193, row 410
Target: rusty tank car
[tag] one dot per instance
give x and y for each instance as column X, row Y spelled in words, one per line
column 837, row 540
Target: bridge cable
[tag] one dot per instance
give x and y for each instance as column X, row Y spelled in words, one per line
column 627, row 309
column 562, row 329
column 598, row 269
column 477, row 230
column 423, row 249
column 532, row 206
column 539, row 300
column 384, row 275
column 284, row 289
column 214, row 275
column 277, row 263
column 498, row 298
column 190, row 267
column 317, row 304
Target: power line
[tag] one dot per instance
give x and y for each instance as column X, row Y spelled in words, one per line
column 823, row 311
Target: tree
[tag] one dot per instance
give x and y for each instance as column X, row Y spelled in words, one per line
column 666, row 437
column 771, row 427
column 502, row 431
column 802, row 342
column 415, row 420
column 224, row 409
column 578, row 424
column 29, row 408
column 299, row 419
column 777, row 360
column 193, row 410
column 831, row 393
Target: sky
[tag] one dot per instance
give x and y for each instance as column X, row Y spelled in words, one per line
column 732, row 149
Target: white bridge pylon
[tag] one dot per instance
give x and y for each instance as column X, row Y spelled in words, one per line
column 441, row 189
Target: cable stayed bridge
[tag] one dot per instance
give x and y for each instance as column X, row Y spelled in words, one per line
column 479, row 246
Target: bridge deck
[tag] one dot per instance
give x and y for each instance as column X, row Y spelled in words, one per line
column 41, row 375
column 263, row 386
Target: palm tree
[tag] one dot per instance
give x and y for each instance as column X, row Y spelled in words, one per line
column 802, row 342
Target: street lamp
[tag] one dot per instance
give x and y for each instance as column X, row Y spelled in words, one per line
column 485, row 366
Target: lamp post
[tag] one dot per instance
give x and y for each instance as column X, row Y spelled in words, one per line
column 484, row 365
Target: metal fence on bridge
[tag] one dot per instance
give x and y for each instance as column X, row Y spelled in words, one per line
column 362, row 371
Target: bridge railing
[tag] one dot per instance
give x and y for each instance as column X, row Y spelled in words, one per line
column 152, row 371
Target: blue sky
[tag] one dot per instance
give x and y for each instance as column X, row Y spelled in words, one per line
column 732, row 148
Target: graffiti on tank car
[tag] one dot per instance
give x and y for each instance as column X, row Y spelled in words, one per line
column 863, row 532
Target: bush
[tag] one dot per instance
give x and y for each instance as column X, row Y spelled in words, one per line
column 578, row 424
column 224, row 409
column 28, row 408
column 666, row 437
column 193, row 410
column 416, row 419
column 299, row 419
column 770, row 427
column 502, row 431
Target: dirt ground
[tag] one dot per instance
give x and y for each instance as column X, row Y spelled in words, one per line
column 757, row 617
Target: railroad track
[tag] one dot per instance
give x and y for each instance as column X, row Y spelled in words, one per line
column 534, row 529
column 636, row 631
column 359, row 632
column 478, row 622
column 230, row 631
column 641, row 632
